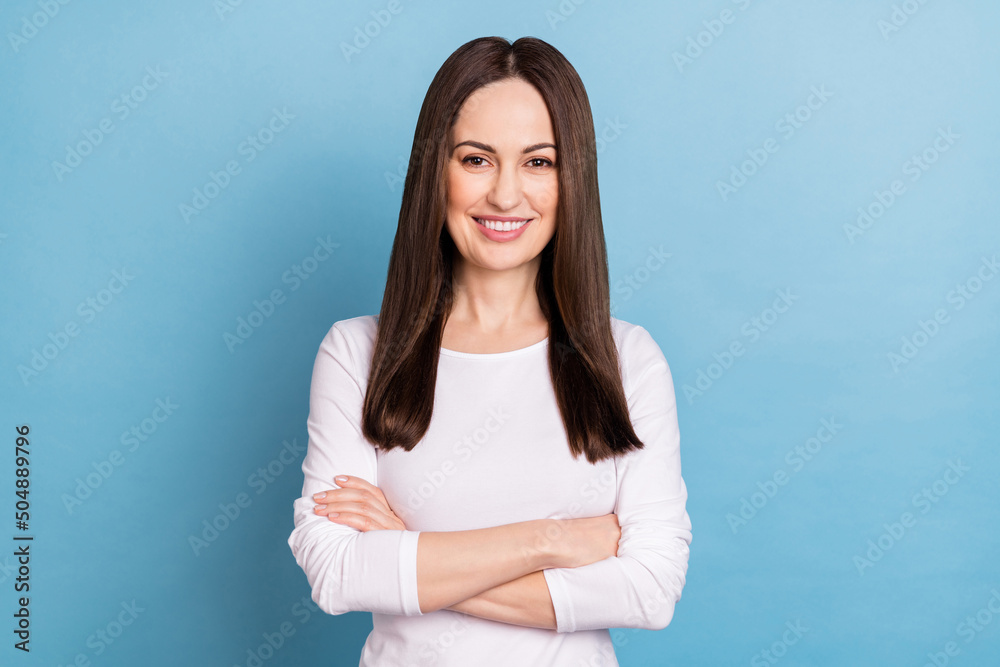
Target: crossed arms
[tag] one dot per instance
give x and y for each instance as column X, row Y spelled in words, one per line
column 621, row 570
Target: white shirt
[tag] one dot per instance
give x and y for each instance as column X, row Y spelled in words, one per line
column 495, row 452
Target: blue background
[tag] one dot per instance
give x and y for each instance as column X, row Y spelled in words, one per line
column 672, row 131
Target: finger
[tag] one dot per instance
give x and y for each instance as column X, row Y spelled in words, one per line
column 352, row 482
column 361, row 522
column 355, row 488
column 364, row 508
column 360, row 490
column 344, row 495
column 332, row 494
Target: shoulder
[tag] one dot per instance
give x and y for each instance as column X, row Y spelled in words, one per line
column 638, row 352
column 633, row 340
column 358, row 330
column 352, row 341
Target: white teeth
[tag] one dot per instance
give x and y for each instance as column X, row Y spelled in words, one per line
column 502, row 226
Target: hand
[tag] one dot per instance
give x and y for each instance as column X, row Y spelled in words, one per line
column 586, row 540
column 357, row 504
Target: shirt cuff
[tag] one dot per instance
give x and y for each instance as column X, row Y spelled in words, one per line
column 408, row 572
column 565, row 622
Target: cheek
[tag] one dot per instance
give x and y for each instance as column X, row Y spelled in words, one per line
column 461, row 191
column 545, row 197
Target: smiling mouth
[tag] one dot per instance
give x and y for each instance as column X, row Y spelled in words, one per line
column 498, row 226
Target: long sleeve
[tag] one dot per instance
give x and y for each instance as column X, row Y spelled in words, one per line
column 348, row 570
column 640, row 586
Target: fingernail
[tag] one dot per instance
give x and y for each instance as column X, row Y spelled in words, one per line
column 319, row 508
column 319, row 496
column 334, row 514
column 341, row 478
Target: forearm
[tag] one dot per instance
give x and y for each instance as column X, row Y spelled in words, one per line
column 456, row 565
column 523, row 601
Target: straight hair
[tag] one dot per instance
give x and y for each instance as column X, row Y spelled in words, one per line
column 572, row 282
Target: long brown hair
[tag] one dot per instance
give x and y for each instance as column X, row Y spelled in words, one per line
column 572, row 282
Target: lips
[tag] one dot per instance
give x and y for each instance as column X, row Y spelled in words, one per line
column 502, row 235
column 502, row 227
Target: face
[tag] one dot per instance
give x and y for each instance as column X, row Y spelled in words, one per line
column 503, row 165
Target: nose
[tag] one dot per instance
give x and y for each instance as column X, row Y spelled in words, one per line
column 506, row 192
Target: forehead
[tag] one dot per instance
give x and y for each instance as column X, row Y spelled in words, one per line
column 509, row 111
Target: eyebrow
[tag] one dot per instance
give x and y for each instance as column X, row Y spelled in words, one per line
column 486, row 147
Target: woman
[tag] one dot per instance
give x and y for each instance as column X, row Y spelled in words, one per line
column 493, row 466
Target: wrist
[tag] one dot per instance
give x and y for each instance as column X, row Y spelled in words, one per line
column 545, row 544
